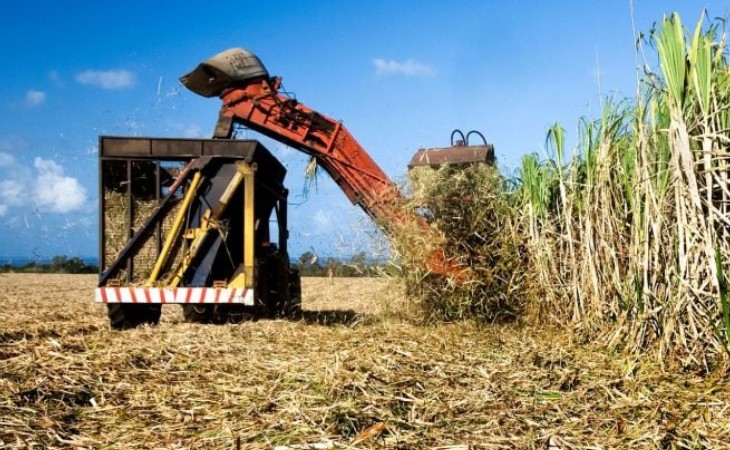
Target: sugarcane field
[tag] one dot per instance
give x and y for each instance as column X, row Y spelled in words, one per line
column 575, row 297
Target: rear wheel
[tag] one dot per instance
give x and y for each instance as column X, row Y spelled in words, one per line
column 123, row 316
column 218, row 314
column 198, row 313
column 234, row 314
column 291, row 307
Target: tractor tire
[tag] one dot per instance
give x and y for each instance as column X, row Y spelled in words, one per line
column 123, row 316
column 153, row 314
column 292, row 308
column 198, row 313
column 234, row 314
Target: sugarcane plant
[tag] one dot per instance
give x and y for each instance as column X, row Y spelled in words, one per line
column 630, row 237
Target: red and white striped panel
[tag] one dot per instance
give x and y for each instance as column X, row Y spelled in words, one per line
column 194, row 295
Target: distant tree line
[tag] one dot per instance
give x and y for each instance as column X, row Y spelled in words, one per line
column 58, row 264
column 311, row 265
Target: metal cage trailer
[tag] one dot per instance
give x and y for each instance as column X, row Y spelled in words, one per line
column 196, row 222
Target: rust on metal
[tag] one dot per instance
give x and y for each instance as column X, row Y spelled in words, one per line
column 454, row 156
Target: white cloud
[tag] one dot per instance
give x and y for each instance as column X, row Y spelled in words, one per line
column 15, row 222
column 107, row 79
column 12, row 193
column 34, row 98
column 54, row 191
column 44, row 187
column 408, row 68
column 6, row 159
column 55, row 78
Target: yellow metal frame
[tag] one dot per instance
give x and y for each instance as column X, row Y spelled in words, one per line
column 177, row 223
column 249, row 225
column 244, row 276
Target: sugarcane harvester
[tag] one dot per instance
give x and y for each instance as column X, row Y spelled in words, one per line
column 217, row 257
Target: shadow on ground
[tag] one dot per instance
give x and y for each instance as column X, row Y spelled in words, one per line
column 329, row 317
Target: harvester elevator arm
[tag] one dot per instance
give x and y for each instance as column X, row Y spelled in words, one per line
column 252, row 98
column 261, row 107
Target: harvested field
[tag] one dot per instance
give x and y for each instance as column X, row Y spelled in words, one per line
column 351, row 366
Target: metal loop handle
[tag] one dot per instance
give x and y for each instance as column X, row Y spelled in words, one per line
column 477, row 133
column 464, row 140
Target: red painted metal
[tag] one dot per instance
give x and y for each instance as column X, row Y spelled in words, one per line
column 192, row 295
column 260, row 106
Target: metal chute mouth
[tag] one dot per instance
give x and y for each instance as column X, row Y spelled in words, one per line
column 453, row 156
column 460, row 154
column 233, row 67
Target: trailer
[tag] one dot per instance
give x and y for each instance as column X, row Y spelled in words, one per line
column 197, row 222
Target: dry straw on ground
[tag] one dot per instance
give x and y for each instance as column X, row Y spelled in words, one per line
column 67, row 381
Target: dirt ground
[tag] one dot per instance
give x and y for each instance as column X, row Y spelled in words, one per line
column 356, row 372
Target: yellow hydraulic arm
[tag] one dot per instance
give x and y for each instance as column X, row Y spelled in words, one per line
column 210, row 221
column 177, row 223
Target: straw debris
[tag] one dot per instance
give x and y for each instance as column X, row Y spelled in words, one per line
column 328, row 381
column 468, row 208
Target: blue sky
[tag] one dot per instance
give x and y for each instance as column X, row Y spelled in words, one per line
column 400, row 74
